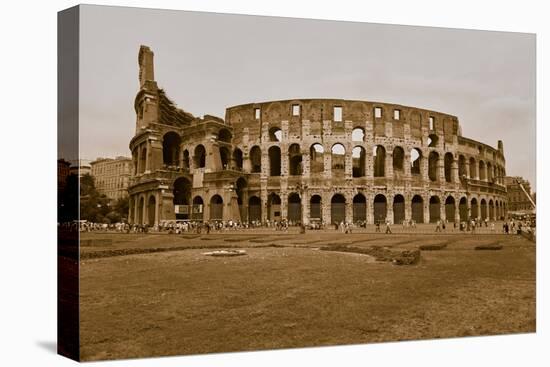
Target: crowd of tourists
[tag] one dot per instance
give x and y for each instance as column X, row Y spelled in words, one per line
column 473, row 226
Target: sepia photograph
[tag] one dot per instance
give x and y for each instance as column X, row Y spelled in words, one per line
column 234, row 183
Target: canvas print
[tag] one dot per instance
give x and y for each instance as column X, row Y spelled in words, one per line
column 236, row 183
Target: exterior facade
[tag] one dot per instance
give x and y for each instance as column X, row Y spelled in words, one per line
column 327, row 160
column 517, row 200
column 112, row 176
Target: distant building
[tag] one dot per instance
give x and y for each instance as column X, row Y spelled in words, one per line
column 517, row 200
column 63, row 171
column 111, row 176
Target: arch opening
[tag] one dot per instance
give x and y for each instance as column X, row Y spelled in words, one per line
column 417, row 209
column 171, row 148
column 338, row 209
column 316, row 158
column 274, row 153
column 380, row 209
column 200, row 156
column 358, row 156
column 256, row 159
column 379, row 155
column 398, row 209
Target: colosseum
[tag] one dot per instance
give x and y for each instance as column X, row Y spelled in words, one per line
column 307, row 160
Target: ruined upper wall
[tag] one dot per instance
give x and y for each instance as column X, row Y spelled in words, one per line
column 316, row 113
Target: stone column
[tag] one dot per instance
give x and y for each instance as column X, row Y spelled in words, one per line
column 454, row 169
column 139, row 168
column 441, row 169
column 284, row 205
column 305, row 207
column 327, row 158
column 388, row 172
column 389, row 206
column 325, row 203
column 148, row 157
column 427, row 209
column 408, row 207
column 131, row 211
column 442, row 209
column 370, row 209
column 349, row 208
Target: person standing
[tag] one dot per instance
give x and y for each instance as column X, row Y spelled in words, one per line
column 388, row 229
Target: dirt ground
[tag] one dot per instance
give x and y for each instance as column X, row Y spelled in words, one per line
column 157, row 294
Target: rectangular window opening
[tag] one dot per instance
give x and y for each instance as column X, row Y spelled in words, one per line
column 296, row 110
column 257, row 113
column 431, row 119
column 377, row 112
column 396, row 114
column 338, row 114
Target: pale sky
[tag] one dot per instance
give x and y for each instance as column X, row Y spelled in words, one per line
column 207, row 62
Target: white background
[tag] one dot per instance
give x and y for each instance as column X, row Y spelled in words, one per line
column 28, row 183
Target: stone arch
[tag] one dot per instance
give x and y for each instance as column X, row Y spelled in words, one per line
column 398, row 209
column 473, row 168
column 482, row 172
column 141, row 209
column 197, row 210
column 450, row 208
column 338, row 157
column 241, row 189
column 200, row 156
column 433, row 166
column 143, row 160
column 294, row 160
column 417, row 209
column 256, row 159
column 225, row 135
column 359, row 208
column 483, row 209
column 358, row 156
column 151, row 210
column 448, row 166
column 216, row 207
column 254, row 209
column 238, row 159
column 416, row 161
column 435, row 209
column 275, row 134
column 294, row 208
column 358, row 134
column 316, row 158
column 186, row 163
column 398, row 158
column 225, row 157
column 380, row 208
column 274, row 207
column 474, row 208
column 379, row 158
column 182, row 195
column 338, row 209
column 463, row 209
column 171, row 148
column 316, row 208
column 274, row 153
column 433, row 139
column 491, row 209
column 462, row 169
column 490, row 174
